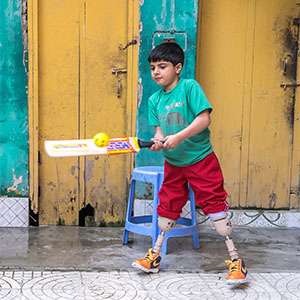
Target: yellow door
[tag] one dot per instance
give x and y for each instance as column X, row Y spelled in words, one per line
column 80, row 45
column 247, row 49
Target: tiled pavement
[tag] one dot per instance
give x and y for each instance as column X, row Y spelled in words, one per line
column 133, row 285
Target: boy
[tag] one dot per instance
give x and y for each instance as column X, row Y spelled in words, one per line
column 180, row 113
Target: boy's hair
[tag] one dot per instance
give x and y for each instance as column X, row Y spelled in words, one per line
column 168, row 51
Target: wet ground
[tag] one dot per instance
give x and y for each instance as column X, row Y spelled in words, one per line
column 101, row 249
column 92, row 263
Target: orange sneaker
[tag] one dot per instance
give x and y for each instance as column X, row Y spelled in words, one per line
column 149, row 264
column 237, row 271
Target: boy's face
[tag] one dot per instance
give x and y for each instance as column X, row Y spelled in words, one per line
column 165, row 74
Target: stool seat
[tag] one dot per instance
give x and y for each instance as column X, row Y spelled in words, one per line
column 136, row 224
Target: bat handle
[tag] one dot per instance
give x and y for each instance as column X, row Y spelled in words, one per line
column 144, row 144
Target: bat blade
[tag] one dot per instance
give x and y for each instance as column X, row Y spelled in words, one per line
column 85, row 147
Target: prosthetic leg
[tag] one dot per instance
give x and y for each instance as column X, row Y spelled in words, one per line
column 223, row 227
column 151, row 262
column 237, row 268
column 165, row 225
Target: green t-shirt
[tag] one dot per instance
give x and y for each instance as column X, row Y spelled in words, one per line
column 175, row 110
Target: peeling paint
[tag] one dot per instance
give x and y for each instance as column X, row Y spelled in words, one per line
column 61, row 222
column 73, row 168
column 139, row 92
column 90, row 164
column 51, row 184
column 289, row 36
column 272, row 200
column 16, row 182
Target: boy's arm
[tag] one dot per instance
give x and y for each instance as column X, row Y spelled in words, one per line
column 158, row 137
column 201, row 122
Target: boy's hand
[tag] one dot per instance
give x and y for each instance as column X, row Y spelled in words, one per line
column 171, row 141
column 157, row 146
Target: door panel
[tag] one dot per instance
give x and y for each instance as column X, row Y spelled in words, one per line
column 271, row 123
column 222, row 59
column 78, row 48
column 253, row 117
column 105, row 177
column 58, row 108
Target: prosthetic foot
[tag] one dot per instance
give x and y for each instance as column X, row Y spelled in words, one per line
column 237, row 271
column 149, row 263
column 237, row 268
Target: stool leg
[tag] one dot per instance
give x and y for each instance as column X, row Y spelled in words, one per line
column 155, row 229
column 196, row 240
column 129, row 211
column 125, row 236
column 194, row 218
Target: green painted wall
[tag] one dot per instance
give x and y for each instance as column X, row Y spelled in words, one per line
column 162, row 19
column 13, row 103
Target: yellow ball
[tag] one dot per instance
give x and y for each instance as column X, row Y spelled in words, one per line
column 101, row 139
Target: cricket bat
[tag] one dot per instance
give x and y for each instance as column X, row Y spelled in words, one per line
column 62, row 148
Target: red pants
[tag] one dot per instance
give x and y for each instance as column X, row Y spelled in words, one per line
column 206, row 180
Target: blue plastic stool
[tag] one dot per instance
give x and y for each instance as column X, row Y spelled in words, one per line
column 155, row 175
